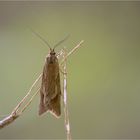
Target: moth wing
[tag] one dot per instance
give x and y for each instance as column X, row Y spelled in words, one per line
column 50, row 91
column 42, row 107
column 55, row 103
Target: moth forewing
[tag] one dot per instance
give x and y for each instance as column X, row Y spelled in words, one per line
column 50, row 90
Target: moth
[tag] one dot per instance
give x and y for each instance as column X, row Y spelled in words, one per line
column 50, row 91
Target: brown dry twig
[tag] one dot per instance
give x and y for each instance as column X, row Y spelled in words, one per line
column 15, row 113
column 65, row 101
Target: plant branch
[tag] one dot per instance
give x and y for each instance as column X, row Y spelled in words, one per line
column 29, row 102
column 65, row 102
column 72, row 51
column 26, row 96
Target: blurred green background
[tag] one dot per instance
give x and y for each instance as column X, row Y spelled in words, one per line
column 103, row 75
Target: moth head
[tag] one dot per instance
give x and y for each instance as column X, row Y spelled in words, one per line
column 51, row 58
column 52, row 52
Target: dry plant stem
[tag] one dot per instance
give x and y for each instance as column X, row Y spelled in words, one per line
column 66, row 113
column 8, row 120
column 29, row 102
column 14, row 115
column 26, row 96
column 72, row 51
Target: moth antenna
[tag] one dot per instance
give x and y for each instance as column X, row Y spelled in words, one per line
column 61, row 41
column 38, row 35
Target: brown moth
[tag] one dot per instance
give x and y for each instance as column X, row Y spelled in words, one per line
column 50, row 91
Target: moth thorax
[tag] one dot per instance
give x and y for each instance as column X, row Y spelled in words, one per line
column 51, row 59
